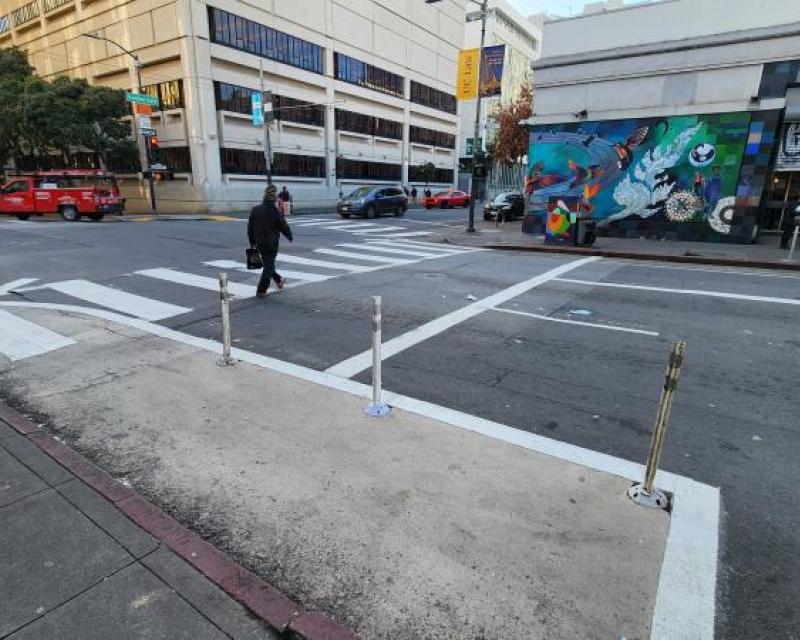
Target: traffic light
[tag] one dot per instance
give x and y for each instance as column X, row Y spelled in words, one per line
column 153, row 152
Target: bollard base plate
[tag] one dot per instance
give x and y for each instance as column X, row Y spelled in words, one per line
column 377, row 410
column 223, row 362
column 658, row 499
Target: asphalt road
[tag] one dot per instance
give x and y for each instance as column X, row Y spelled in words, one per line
column 734, row 421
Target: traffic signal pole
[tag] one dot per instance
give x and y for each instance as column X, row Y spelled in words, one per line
column 476, row 140
column 267, row 118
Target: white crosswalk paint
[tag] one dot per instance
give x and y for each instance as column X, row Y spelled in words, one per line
column 129, row 303
column 372, row 246
column 408, row 234
column 423, row 246
column 341, row 266
column 15, row 284
column 20, row 338
column 201, row 282
column 286, row 273
column 371, row 257
column 380, row 229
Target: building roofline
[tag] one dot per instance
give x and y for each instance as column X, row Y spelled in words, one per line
column 628, row 7
column 671, row 46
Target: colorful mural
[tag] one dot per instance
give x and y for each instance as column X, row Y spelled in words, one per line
column 679, row 169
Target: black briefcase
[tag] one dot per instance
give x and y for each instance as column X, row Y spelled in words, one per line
column 254, row 260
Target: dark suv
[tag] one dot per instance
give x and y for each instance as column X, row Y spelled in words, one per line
column 509, row 205
column 373, row 201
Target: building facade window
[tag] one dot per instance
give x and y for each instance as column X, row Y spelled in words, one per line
column 169, row 94
column 368, row 125
column 431, row 137
column 362, row 170
column 239, row 33
column 231, row 97
column 245, row 161
column 430, row 97
column 365, row 75
column 177, row 159
column 440, row 175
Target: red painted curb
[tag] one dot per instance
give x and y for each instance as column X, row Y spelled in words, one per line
column 261, row 598
column 632, row 255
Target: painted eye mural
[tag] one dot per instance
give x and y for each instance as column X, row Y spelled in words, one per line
column 679, row 169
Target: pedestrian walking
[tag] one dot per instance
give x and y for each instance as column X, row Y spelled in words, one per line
column 428, row 193
column 405, row 190
column 788, row 224
column 285, row 201
column 264, row 229
column 414, row 196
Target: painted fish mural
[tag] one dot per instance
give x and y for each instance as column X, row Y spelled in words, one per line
column 681, row 169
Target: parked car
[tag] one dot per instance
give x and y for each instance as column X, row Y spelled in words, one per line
column 446, row 199
column 373, row 201
column 71, row 193
column 509, row 205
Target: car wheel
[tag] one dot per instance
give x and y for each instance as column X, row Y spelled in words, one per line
column 345, row 215
column 23, row 216
column 400, row 211
column 370, row 212
column 96, row 217
column 70, row 214
column 444, row 204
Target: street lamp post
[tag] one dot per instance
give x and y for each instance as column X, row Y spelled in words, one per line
column 143, row 159
column 476, row 153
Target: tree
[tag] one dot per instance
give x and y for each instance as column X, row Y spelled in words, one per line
column 510, row 142
column 14, row 70
column 427, row 172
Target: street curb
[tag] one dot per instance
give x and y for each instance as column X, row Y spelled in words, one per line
column 262, row 599
column 654, row 257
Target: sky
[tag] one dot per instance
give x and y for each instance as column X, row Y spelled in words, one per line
column 557, row 7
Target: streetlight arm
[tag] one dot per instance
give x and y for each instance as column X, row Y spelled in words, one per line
column 94, row 36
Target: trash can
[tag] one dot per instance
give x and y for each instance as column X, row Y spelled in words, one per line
column 584, row 230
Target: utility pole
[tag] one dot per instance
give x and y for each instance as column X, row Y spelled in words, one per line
column 142, row 143
column 476, row 139
column 268, row 116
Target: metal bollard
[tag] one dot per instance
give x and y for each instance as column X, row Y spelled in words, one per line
column 226, row 320
column 645, row 493
column 794, row 244
column 376, row 408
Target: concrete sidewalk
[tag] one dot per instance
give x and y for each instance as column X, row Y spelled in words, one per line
column 399, row 528
column 509, row 236
column 74, row 566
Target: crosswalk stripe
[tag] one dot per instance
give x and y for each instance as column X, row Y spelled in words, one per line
column 20, row 338
column 129, row 303
column 201, row 282
column 379, row 229
column 421, row 246
column 362, row 256
column 241, row 266
column 408, row 234
column 15, row 284
column 374, row 246
column 353, row 268
column 317, row 223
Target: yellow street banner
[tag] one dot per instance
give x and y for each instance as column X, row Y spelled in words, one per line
column 467, row 80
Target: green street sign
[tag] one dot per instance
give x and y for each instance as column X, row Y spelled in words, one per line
column 470, row 144
column 141, row 98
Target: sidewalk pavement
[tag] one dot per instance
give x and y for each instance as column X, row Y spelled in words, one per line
column 404, row 527
column 74, row 566
column 766, row 254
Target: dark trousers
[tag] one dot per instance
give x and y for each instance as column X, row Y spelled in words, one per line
column 786, row 235
column 268, row 255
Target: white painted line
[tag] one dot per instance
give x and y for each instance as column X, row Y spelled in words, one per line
column 231, row 265
column 577, row 322
column 738, row 271
column 371, row 257
column 686, row 593
column 686, row 596
column 310, row 262
column 316, row 223
column 691, row 292
column 380, row 229
column 201, row 282
column 407, row 234
column 374, row 246
column 433, row 246
column 363, row 361
column 20, row 338
column 129, row 303
column 304, row 275
column 9, row 287
column 352, row 225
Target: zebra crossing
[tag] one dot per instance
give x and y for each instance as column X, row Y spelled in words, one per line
column 363, row 229
column 20, row 338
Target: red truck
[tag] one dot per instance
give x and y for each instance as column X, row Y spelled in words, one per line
column 70, row 193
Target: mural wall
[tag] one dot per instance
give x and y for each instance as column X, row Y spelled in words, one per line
column 673, row 172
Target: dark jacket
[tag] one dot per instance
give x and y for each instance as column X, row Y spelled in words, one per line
column 265, row 226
